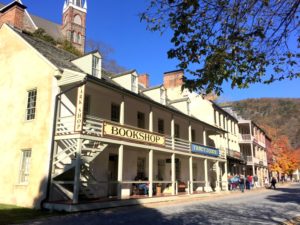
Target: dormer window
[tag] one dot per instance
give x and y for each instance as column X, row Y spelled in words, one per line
column 162, row 96
column 134, row 83
column 95, row 66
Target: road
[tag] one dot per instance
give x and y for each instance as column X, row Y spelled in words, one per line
column 253, row 207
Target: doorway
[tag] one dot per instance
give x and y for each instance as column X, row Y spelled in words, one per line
column 113, row 175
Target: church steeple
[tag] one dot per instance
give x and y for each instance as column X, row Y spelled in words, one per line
column 74, row 22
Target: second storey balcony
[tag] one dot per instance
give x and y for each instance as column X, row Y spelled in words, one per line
column 99, row 129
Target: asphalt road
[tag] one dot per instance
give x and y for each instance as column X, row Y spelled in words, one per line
column 252, row 207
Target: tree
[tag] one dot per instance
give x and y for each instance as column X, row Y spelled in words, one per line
column 239, row 41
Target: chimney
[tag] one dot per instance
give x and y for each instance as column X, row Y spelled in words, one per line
column 13, row 14
column 173, row 79
column 144, row 80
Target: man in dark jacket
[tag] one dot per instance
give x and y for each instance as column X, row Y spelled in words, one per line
column 273, row 182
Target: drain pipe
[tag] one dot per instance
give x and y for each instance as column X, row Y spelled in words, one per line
column 57, row 97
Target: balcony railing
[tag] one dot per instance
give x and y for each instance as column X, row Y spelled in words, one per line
column 245, row 137
column 252, row 160
column 235, row 154
column 93, row 126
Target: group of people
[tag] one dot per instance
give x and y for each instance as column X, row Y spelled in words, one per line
column 249, row 182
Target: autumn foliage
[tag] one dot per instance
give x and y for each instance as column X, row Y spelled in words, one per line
column 285, row 160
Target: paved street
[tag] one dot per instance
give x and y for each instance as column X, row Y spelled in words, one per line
column 254, row 207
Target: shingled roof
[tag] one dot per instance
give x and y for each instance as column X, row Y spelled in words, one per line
column 51, row 28
column 57, row 56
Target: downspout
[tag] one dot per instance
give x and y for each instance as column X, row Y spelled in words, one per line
column 57, row 97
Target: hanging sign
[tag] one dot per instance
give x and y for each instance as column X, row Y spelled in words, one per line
column 128, row 133
column 79, row 108
column 204, row 150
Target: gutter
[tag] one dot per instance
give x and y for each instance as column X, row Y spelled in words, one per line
column 57, row 97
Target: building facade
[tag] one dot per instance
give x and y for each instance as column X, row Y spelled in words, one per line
column 76, row 133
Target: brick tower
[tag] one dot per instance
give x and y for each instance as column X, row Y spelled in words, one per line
column 74, row 22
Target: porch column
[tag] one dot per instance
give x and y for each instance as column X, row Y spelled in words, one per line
column 151, row 120
column 120, row 170
column 204, row 136
column 206, row 187
column 173, row 132
column 122, row 112
column 218, row 176
column 252, row 155
column 190, row 133
column 76, row 186
column 226, row 175
column 173, row 175
column 191, row 187
column 150, row 172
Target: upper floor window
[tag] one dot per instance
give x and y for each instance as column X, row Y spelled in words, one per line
column 95, row 66
column 162, row 96
column 141, row 120
column 31, row 104
column 115, row 112
column 177, row 131
column 161, row 126
column 24, row 167
column 77, row 19
column 193, row 135
column 134, row 83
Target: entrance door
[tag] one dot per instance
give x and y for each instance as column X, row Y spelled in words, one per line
column 113, row 175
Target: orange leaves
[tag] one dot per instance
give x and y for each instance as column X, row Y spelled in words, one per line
column 285, row 159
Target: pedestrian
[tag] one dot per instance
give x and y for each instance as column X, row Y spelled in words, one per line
column 247, row 183
column 242, row 183
column 266, row 182
column 273, row 183
column 255, row 179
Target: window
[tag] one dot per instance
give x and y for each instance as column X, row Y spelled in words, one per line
column 31, row 104
column 115, row 112
column 177, row 131
column 141, row 166
column 134, row 83
column 24, row 167
column 162, row 96
column 193, row 135
column 95, row 66
column 141, row 120
column 77, row 19
column 78, row 38
column 161, row 126
column 87, row 103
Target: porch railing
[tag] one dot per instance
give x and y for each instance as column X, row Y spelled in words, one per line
column 94, row 126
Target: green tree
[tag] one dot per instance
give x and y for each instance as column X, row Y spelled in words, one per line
column 230, row 40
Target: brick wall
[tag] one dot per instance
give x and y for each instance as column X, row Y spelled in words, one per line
column 173, row 79
column 13, row 16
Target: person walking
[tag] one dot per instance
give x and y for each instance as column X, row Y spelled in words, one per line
column 273, row 183
column 242, row 183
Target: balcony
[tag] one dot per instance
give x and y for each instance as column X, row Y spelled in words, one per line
column 235, row 154
column 245, row 138
column 252, row 161
column 113, row 132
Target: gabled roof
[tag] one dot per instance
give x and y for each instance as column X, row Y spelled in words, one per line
column 51, row 28
column 58, row 57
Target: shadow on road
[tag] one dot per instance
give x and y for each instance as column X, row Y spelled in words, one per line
column 288, row 195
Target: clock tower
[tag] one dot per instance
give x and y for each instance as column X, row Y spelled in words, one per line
column 74, row 22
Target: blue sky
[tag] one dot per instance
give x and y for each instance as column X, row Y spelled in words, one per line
column 116, row 23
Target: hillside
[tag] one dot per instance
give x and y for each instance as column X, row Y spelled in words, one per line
column 281, row 114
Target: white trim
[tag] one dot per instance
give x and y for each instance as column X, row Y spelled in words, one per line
column 75, row 7
column 35, row 26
